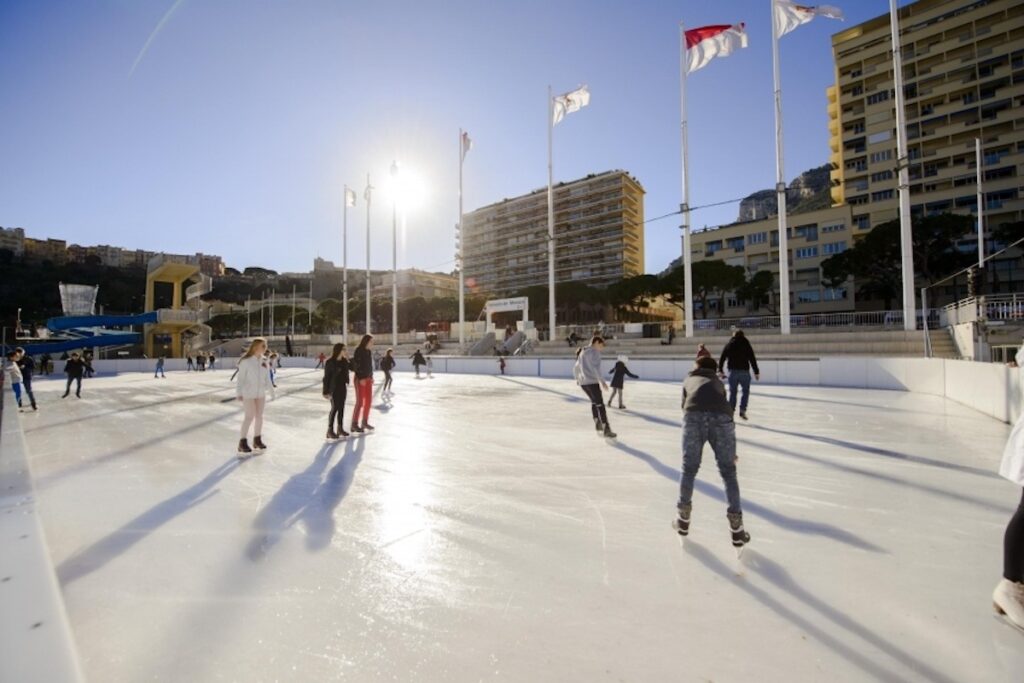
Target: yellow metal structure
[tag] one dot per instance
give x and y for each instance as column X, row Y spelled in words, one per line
column 177, row 273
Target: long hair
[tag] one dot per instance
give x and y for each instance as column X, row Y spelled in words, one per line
column 336, row 352
column 251, row 351
column 367, row 338
column 389, row 352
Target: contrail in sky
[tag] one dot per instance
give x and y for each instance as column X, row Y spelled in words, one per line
column 152, row 36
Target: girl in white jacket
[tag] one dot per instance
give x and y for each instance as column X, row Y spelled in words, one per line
column 251, row 389
column 1008, row 597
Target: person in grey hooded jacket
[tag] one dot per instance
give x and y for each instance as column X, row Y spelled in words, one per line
column 588, row 375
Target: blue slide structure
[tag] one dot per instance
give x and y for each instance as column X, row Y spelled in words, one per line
column 89, row 331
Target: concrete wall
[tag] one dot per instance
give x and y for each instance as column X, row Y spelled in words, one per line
column 989, row 388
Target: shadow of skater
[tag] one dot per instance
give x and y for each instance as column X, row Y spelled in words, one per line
column 778, row 577
column 119, row 541
column 769, row 515
column 287, row 505
column 318, row 517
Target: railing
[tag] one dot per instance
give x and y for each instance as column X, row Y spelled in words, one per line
column 204, row 286
column 884, row 319
column 1005, row 307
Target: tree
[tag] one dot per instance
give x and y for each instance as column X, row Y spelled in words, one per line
column 633, row 292
column 709, row 278
column 756, row 289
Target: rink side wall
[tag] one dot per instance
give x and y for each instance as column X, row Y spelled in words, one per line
column 989, row 388
column 35, row 636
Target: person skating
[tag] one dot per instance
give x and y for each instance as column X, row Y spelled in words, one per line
column 707, row 417
column 28, row 369
column 501, row 364
column 1008, row 596
column 46, row 363
column 159, row 368
column 387, row 364
column 190, row 365
column 702, row 352
column 739, row 354
column 14, row 376
column 274, row 365
column 362, row 366
column 417, row 361
column 335, row 390
column 210, row 358
column 619, row 373
column 89, row 371
column 587, row 371
column 74, row 368
column 320, row 361
column 251, row 390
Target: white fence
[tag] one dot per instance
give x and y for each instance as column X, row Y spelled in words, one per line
column 1007, row 307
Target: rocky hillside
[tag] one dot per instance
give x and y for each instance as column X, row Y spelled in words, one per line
column 808, row 191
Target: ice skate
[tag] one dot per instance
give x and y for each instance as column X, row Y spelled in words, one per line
column 598, row 425
column 367, row 427
column 1008, row 600
column 356, row 429
column 331, row 436
column 743, row 414
column 257, row 444
column 682, row 521
column 608, row 433
column 243, row 449
column 739, row 536
column 342, row 434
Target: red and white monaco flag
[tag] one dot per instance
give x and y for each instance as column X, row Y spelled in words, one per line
column 789, row 15
column 707, row 42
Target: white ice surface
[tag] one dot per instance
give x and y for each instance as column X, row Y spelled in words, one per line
column 485, row 533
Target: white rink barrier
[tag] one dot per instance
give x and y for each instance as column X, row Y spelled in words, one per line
column 35, row 637
column 989, row 388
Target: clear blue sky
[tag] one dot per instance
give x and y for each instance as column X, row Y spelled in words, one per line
column 242, row 119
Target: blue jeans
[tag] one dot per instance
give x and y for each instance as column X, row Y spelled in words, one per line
column 17, row 392
column 700, row 426
column 741, row 378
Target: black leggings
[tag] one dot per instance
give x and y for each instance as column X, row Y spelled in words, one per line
column 1013, row 546
column 593, row 392
column 387, row 381
column 338, row 409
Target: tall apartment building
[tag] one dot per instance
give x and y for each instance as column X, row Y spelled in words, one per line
column 413, row 283
column 598, row 232
column 48, row 249
column 13, row 240
column 963, row 63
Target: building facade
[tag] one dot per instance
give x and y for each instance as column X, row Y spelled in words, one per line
column 48, row 249
column 419, row 283
column 13, row 240
column 599, row 236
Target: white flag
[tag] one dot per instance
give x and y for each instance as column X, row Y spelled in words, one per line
column 570, row 102
column 707, row 42
column 467, row 144
column 789, row 15
column 350, row 197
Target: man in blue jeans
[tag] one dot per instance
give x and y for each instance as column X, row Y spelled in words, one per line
column 707, row 417
column 740, row 356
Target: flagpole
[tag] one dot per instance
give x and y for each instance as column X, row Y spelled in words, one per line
column 394, row 258
column 981, row 205
column 344, row 265
column 368, row 195
column 309, row 321
column 906, row 235
column 684, row 208
column 462, row 281
column 293, row 310
column 551, row 224
column 780, row 185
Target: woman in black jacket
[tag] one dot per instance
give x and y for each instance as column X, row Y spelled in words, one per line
column 618, row 374
column 387, row 364
column 362, row 366
column 336, row 390
column 417, row 361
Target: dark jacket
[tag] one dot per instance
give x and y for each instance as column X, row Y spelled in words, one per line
column 335, row 376
column 702, row 390
column 417, row 359
column 620, row 371
column 75, row 367
column 28, row 366
column 740, row 355
column 387, row 363
column 362, row 363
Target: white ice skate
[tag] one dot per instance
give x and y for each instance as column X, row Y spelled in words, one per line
column 1008, row 600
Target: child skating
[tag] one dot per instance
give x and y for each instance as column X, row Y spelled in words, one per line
column 14, row 376
column 618, row 374
column 159, row 372
column 251, row 390
column 28, row 369
column 335, row 390
column 1008, row 596
column 74, row 368
column 707, row 417
column 501, row 364
column 587, row 371
column 387, row 364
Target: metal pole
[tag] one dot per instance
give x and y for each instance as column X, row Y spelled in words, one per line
column 462, row 265
column 263, row 306
column 780, row 184
column 309, row 321
column 369, row 189
column 906, row 235
column 981, row 205
column 293, row 312
column 924, row 321
column 551, row 223
column 394, row 258
column 684, row 208
column 344, row 266
column 273, row 329
column 248, row 306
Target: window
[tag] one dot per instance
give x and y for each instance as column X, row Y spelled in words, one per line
column 808, row 232
column 806, row 252
column 712, row 247
column 734, row 243
column 881, row 196
column 877, row 97
column 879, row 137
column 757, row 238
column 884, row 155
column 833, row 247
column 879, row 177
column 732, row 302
column 808, row 296
column 835, row 227
column 835, row 293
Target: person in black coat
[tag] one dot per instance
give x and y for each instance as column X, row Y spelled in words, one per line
column 387, row 364
column 28, row 368
column 618, row 374
column 335, row 390
column 417, row 361
column 739, row 355
column 74, row 368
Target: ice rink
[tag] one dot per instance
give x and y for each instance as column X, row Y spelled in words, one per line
column 484, row 532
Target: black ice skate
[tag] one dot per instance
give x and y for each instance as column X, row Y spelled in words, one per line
column 682, row 522
column 367, row 427
column 356, row 429
column 598, row 425
column 331, row 436
column 342, row 434
column 608, row 433
column 257, row 444
column 243, row 449
column 743, row 414
column 739, row 537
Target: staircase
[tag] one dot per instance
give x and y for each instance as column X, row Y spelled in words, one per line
column 942, row 344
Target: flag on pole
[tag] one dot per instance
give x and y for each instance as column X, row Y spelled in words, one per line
column 789, row 15
column 350, row 197
column 707, row 42
column 570, row 102
column 467, row 144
